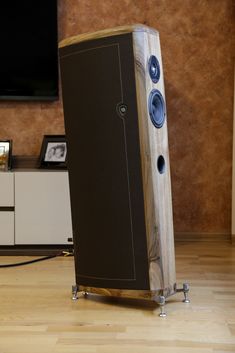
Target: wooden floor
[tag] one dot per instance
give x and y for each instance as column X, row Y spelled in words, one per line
column 37, row 314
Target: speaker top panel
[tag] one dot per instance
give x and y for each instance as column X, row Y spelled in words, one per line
column 107, row 33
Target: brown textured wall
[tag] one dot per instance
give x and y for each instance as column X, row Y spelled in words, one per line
column 197, row 39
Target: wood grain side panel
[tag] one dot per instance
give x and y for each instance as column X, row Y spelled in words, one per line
column 157, row 187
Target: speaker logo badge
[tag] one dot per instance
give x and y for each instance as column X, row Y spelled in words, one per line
column 121, row 109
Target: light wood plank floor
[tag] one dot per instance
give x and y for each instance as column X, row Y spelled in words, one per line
column 37, row 314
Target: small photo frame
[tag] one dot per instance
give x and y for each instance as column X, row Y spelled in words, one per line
column 5, row 155
column 53, row 152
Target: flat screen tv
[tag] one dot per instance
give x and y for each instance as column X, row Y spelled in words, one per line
column 28, row 50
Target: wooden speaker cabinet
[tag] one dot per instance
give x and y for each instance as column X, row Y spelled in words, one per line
column 118, row 161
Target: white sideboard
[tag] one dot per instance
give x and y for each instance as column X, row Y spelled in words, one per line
column 35, row 208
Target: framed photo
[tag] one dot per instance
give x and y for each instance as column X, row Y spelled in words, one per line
column 5, row 155
column 53, row 152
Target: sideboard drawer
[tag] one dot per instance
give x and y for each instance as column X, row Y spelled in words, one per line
column 7, row 228
column 6, row 189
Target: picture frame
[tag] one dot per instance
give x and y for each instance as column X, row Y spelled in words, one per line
column 5, row 155
column 53, row 152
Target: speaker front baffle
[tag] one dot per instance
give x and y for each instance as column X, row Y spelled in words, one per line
column 118, row 162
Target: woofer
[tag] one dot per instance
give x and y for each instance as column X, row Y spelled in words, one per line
column 157, row 109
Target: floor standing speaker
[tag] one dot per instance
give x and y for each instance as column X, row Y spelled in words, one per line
column 118, row 161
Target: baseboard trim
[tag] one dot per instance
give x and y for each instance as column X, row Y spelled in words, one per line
column 196, row 236
column 233, row 238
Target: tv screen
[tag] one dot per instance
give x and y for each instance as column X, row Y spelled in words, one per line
column 28, row 50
